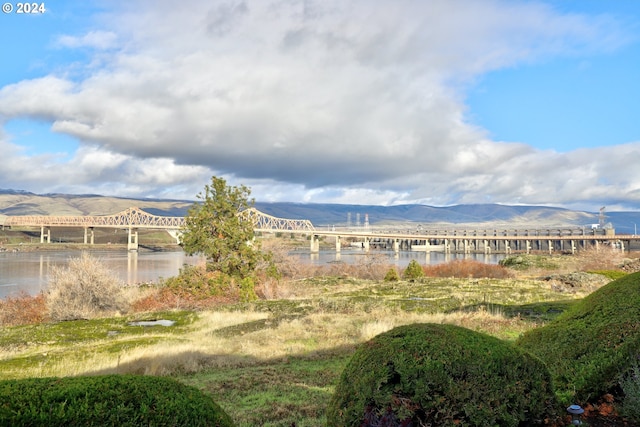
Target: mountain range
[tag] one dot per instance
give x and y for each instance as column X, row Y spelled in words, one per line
column 17, row 202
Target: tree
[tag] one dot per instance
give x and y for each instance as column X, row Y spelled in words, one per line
column 215, row 228
column 413, row 271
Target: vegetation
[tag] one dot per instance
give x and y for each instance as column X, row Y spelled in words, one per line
column 524, row 262
column 392, row 275
column 114, row 400
column 610, row 274
column 441, row 375
column 276, row 361
column 590, row 346
column 467, row 269
column 413, row 271
column 84, row 290
column 23, row 309
column 215, row 228
column 630, row 385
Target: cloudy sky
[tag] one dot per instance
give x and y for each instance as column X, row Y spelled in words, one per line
column 346, row 101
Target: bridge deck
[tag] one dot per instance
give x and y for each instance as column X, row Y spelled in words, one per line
column 133, row 218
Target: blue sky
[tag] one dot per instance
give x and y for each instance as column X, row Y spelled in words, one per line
column 356, row 101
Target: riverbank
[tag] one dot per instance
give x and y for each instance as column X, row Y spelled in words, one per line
column 57, row 247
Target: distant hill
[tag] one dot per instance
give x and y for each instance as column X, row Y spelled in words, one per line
column 15, row 202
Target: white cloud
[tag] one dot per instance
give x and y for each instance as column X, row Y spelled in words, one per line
column 348, row 101
column 100, row 40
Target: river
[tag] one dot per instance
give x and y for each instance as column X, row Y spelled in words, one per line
column 29, row 271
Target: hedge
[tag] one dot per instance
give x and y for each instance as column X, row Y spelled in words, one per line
column 592, row 345
column 444, row 375
column 110, row 400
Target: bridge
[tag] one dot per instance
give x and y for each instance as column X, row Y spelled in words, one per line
column 134, row 219
column 447, row 240
column 483, row 241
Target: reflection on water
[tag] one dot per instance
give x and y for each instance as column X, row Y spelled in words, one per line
column 29, row 271
column 400, row 259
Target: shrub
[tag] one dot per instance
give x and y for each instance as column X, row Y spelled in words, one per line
column 525, row 262
column 22, row 310
column 413, row 271
column 444, row 375
column 392, row 275
column 630, row 384
column 588, row 347
column 110, row 400
column 466, row 268
column 84, row 290
column 196, row 282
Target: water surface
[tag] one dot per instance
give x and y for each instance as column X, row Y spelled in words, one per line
column 29, row 271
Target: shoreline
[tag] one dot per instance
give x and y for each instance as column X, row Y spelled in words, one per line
column 54, row 247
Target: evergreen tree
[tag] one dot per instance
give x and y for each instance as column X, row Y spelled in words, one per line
column 413, row 271
column 215, row 228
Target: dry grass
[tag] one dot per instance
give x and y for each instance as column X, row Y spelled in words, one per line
column 467, row 268
column 274, row 362
column 204, row 346
column 332, row 312
column 83, row 290
column 23, row 310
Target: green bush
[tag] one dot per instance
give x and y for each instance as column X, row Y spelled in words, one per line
column 392, row 275
column 630, row 384
column 107, row 401
column 413, row 271
column 588, row 347
column 525, row 262
column 199, row 283
column 441, row 375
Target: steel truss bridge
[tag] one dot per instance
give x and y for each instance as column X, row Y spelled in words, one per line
column 135, row 218
column 466, row 241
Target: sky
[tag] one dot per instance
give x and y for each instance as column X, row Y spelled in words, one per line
column 379, row 102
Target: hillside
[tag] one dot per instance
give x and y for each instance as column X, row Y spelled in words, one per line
column 14, row 202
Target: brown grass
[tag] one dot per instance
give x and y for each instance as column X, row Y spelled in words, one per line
column 464, row 268
column 165, row 298
column 23, row 310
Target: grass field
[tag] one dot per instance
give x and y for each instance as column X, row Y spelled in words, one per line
column 275, row 361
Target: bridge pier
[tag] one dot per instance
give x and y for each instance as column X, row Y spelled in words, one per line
column 315, row 244
column 338, row 244
column 175, row 234
column 45, row 232
column 86, row 230
column 132, row 244
column 396, row 246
